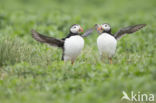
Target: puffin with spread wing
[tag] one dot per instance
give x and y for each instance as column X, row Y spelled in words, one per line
column 107, row 42
column 71, row 45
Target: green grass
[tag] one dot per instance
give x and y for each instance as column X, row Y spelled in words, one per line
column 31, row 72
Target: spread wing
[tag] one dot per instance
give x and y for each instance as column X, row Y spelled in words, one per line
column 89, row 31
column 45, row 39
column 128, row 30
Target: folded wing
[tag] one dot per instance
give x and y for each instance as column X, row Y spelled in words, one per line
column 48, row 40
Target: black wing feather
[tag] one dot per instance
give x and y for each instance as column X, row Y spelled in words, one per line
column 89, row 31
column 128, row 30
column 45, row 39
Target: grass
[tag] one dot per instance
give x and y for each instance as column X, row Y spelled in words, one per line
column 31, row 72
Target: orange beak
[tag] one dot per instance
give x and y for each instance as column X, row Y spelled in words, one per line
column 99, row 28
column 80, row 30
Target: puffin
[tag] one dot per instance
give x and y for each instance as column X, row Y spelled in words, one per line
column 71, row 45
column 107, row 42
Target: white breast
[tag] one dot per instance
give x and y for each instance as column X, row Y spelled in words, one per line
column 73, row 47
column 106, row 44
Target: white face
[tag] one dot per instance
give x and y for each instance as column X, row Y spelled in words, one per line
column 75, row 28
column 106, row 27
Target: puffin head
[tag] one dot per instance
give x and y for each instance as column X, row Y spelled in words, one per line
column 76, row 29
column 104, row 28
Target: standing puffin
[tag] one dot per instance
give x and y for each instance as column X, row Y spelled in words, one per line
column 71, row 45
column 107, row 42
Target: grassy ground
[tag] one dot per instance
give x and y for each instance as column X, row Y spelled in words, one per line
column 31, row 72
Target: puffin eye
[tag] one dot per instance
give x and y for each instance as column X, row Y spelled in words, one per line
column 105, row 25
column 74, row 26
